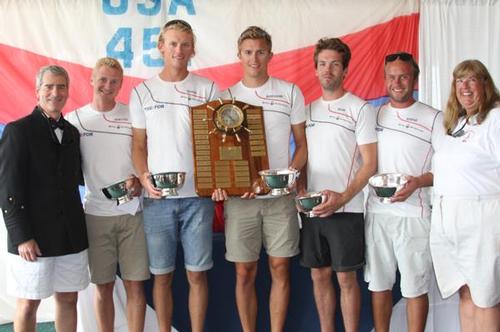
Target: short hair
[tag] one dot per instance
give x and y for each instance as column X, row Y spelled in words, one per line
column 405, row 57
column 334, row 44
column 179, row 25
column 488, row 101
column 108, row 62
column 255, row 32
column 53, row 69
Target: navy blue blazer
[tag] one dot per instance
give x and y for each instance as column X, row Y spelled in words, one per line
column 39, row 179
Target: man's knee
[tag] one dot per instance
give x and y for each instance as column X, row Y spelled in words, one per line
column 279, row 267
column 105, row 291
column 27, row 308
column 196, row 278
column 246, row 272
column 66, row 298
column 347, row 280
column 321, row 275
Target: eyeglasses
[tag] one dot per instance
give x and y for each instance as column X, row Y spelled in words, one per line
column 403, row 56
column 178, row 22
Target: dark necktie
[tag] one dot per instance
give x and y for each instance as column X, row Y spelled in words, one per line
column 56, row 124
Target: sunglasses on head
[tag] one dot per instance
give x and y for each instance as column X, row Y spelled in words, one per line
column 180, row 22
column 403, row 56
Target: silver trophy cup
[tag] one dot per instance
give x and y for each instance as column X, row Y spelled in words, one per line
column 168, row 182
column 308, row 202
column 280, row 181
column 119, row 192
column 385, row 185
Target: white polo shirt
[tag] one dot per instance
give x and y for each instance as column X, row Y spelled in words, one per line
column 469, row 165
column 335, row 129
column 283, row 105
column 162, row 108
column 106, row 148
column 406, row 137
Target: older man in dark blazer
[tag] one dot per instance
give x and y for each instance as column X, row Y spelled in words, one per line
column 39, row 176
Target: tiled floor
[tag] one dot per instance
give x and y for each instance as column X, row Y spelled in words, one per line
column 41, row 327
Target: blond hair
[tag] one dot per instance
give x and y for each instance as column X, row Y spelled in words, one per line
column 110, row 63
column 490, row 99
column 179, row 25
column 255, row 32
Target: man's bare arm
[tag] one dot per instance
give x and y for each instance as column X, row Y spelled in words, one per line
column 333, row 200
column 140, row 160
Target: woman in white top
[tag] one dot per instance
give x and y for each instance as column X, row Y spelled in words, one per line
column 465, row 230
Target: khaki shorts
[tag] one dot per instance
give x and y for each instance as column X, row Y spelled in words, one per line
column 117, row 240
column 251, row 224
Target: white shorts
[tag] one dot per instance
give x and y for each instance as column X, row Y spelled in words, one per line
column 465, row 247
column 47, row 275
column 394, row 242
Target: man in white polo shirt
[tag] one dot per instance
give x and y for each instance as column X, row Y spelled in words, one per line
column 161, row 121
column 271, row 222
column 116, row 233
column 397, row 234
column 342, row 155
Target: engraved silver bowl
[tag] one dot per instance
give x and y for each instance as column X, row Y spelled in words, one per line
column 385, row 185
column 280, row 181
column 308, row 201
column 119, row 192
column 168, row 182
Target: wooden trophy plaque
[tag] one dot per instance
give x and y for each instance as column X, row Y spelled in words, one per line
column 229, row 147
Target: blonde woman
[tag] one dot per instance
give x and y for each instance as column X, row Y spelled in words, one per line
column 465, row 230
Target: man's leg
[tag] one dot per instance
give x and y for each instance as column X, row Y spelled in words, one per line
column 474, row 318
column 198, row 299
column 416, row 311
column 280, row 291
column 324, row 295
column 382, row 310
column 350, row 299
column 136, row 305
column 246, row 297
column 66, row 311
column 466, row 310
column 488, row 319
column 25, row 319
column 162, row 298
column 104, row 307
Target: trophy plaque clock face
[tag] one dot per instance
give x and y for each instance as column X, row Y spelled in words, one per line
column 229, row 147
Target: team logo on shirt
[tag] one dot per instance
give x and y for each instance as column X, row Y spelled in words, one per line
column 340, row 115
column 154, row 107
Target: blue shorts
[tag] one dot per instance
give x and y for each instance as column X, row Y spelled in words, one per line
column 166, row 221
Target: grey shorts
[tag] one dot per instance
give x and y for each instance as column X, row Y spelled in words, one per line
column 251, row 224
column 117, row 240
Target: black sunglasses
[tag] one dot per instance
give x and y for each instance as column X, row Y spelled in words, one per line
column 180, row 22
column 403, row 56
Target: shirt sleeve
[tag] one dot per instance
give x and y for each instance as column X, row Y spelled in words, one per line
column 137, row 116
column 365, row 125
column 298, row 111
column 493, row 135
column 438, row 131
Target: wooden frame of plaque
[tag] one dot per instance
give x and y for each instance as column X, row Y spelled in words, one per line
column 229, row 147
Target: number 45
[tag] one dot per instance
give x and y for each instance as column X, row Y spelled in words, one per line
column 120, row 47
